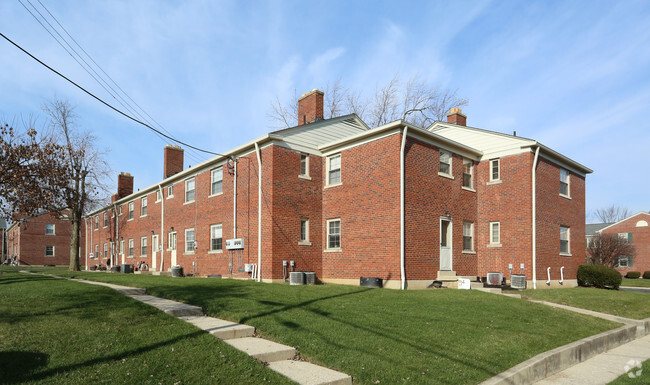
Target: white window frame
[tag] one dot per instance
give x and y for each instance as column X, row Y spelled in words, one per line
column 112, row 248
column 96, row 222
column 120, row 210
column 105, row 219
column 328, row 244
column 565, row 178
column 216, row 181
column 158, row 195
column 471, row 173
column 304, row 232
column 627, row 260
column 443, row 173
column 216, row 229
column 330, row 170
column 188, row 190
column 492, row 163
column 492, row 233
column 97, row 251
column 189, row 247
column 170, row 191
column 143, row 206
column 105, row 250
column 143, row 246
column 304, row 161
column 53, row 232
column 131, row 209
column 470, row 225
column 53, row 251
column 565, row 230
column 130, row 255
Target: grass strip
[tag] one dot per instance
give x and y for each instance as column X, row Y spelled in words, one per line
column 55, row 331
column 638, row 282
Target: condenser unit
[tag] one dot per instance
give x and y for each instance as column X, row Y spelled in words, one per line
column 518, row 281
column 494, row 279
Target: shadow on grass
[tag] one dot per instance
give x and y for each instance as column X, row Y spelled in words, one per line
column 18, row 366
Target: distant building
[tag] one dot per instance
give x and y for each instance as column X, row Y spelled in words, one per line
column 633, row 229
column 42, row 239
column 402, row 203
column 3, row 239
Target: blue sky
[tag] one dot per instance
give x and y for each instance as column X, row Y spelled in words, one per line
column 572, row 74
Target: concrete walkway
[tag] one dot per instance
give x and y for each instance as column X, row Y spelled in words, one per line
column 277, row 357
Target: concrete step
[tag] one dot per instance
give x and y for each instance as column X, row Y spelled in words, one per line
column 173, row 308
column 219, row 328
column 445, row 275
column 263, row 350
column 305, row 373
column 492, row 290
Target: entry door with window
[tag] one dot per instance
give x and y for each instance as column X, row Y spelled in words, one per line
column 445, row 244
column 172, row 248
column 154, row 251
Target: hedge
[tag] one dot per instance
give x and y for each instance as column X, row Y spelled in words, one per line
column 633, row 274
column 646, row 274
column 599, row 276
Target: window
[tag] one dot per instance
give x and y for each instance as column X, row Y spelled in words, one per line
column 122, row 247
column 304, row 231
column 171, row 241
column 624, row 261
column 143, row 207
column 334, row 169
column 96, row 222
column 565, row 236
column 143, row 246
column 120, row 212
column 189, row 240
column 112, row 248
column 445, row 162
column 130, row 247
column 468, row 236
column 216, row 238
column 304, row 164
column 106, row 219
column 468, row 171
column 189, row 190
column 49, row 229
column 130, row 210
column 49, row 251
column 495, row 170
column 158, row 195
column 564, row 182
column 217, row 181
column 105, row 250
column 334, row 234
column 170, row 191
column 96, row 251
column 495, row 233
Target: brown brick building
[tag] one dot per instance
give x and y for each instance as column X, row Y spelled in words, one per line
column 42, row 239
column 398, row 202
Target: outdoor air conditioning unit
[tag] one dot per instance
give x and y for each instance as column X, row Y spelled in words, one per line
column 518, row 281
column 494, row 279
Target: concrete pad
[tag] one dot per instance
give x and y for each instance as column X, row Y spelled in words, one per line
column 262, row 349
column 305, row 373
column 219, row 328
column 173, row 308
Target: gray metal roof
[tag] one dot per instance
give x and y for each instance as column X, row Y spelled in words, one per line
column 591, row 229
column 321, row 132
column 491, row 143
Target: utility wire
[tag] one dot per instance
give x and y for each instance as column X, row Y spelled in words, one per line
column 107, row 104
column 114, row 93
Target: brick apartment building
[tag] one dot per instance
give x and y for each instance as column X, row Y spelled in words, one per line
column 398, row 202
column 42, row 239
column 3, row 239
column 635, row 230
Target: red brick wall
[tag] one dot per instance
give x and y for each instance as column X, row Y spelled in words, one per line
column 640, row 240
column 173, row 161
column 367, row 202
column 428, row 197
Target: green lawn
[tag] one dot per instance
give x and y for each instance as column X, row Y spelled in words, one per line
column 639, row 282
column 383, row 336
column 55, row 331
column 620, row 303
column 637, row 378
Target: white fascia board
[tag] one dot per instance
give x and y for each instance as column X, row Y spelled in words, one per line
column 563, row 160
column 622, row 220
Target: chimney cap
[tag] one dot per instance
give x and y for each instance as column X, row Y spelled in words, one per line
column 455, row 111
column 314, row 91
column 125, row 174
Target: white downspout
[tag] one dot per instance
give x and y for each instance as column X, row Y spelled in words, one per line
column 259, row 213
column 234, row 201
column 116, row 245
column 91, row 235
column 401, row 211
column 548, row 274
column 161, row 238
column 535, row 219
column 86, row 250
column 562, row 275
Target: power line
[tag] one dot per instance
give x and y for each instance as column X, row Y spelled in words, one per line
column 107, row 104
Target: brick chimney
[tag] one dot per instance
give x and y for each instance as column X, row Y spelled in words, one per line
column 124, row 185
column 310, row 107
column 456, row 116
column 173, row 160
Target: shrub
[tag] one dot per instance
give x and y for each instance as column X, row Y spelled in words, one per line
column 646, row 274
column 633, row 274
column 599, row 276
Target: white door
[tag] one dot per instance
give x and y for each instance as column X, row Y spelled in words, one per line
column 445, row 244
column 172, row 247
column 154, row 251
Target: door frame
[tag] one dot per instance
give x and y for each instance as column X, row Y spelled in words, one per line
column 450, row 242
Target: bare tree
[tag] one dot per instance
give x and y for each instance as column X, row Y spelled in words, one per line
column 414, row 101
column 611, row 214
column 606, row 249
column 87, row 169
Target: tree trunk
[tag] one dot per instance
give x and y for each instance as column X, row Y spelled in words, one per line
column 74, row 243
